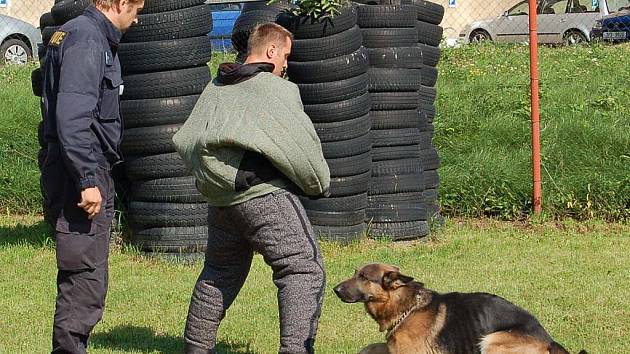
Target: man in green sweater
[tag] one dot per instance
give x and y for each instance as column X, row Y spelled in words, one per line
column 251, row 147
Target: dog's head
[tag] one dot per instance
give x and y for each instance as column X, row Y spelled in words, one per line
column 371, row 283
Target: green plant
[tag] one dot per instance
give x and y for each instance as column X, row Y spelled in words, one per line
column 316, row 9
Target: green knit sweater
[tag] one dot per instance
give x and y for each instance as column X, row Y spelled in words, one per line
column 263, row 114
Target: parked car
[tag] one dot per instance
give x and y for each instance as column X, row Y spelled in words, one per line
column 559, row 21
column 223, row 18
column 616, row 26
column 18, row 41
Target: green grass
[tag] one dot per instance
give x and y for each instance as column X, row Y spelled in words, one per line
column 482, row 132
column 573, row 276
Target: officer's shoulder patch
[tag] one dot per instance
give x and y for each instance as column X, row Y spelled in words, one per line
column 57, row 38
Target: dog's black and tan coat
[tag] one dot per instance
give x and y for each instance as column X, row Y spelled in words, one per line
column 422, row 321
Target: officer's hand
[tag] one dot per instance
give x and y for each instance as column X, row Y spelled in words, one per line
column 91, row 201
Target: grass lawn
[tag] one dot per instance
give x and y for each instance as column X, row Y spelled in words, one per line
column 573, row 276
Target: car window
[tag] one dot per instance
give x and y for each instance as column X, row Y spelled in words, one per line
column 520, row 9
column 581, row 6
column 555, row 7
column 618, row 5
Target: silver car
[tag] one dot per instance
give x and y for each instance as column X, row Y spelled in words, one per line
column 559, row 21
column 18, row 41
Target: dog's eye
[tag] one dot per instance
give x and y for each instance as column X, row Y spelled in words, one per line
column 361, row 276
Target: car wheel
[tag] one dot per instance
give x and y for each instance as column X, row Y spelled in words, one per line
column 480, row 36
column 574, row 37
column 15, row 52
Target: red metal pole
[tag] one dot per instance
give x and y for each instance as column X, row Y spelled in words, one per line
column 533, row 65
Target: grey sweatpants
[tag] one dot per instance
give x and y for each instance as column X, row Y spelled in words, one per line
column 275, row 226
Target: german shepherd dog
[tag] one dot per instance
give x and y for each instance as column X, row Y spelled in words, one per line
column 421, row 321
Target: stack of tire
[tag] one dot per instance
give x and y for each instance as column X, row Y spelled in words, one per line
column 429, row 37
column 253, row 14
column 164, row 61
column 395, row 207
column 329, row 65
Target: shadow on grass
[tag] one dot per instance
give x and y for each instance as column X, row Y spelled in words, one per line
column 38, row 234
column 145, row 340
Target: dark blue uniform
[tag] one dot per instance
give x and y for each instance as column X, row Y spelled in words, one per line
column 83, row 129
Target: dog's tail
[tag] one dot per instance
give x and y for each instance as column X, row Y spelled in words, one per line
column 556, row 348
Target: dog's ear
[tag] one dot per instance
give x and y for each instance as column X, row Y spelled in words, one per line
column 394, row 280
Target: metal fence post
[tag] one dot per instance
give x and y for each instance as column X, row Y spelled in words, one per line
column 535, row 109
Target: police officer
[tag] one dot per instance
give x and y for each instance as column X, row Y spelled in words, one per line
column 83, row 129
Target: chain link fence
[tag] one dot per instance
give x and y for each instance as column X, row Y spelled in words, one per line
column 465, row 21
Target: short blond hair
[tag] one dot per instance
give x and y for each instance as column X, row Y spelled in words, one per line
column 265, row 34
column 107, row 4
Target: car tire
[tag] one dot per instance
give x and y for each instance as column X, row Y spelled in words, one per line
column 339, row 111
column 14, row 51
column 345, row 148
column 479, row 36
column 395, row 137
column 340, row 234
column 336, row 218
column 188, row 22
column 574, row 37
column 167, row 190
column 395, row 153
column 149, row 140
column 65, row 10
column 430, row 159
column 172, row 239
column 343, row 130
column 157, row 111
column 182, row 82
column 430, row 55
column 399, row 231
column 431, row 179
column 389, row 37
column 429, row 76
column 396, row 57
column 428, row 11
column 396, row 212
column 306, row 28
column 397, row 167
column 383, row 101
column 350, row 166
column 350, row 185
column 143, row 215
column 386, row 16
column 141, row 168
column 155, row 6
column 398, row 119
column 333, row 91
column 429, row 34
column 346, row 66
column 394, row 79
column 164, row 55
column 336, row 45
column 336, row 204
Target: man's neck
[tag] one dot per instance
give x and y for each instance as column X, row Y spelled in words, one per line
column 255, row 59
column 109, row 14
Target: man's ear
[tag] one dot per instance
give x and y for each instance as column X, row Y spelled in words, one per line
column 394, row 280
column 272, row 50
